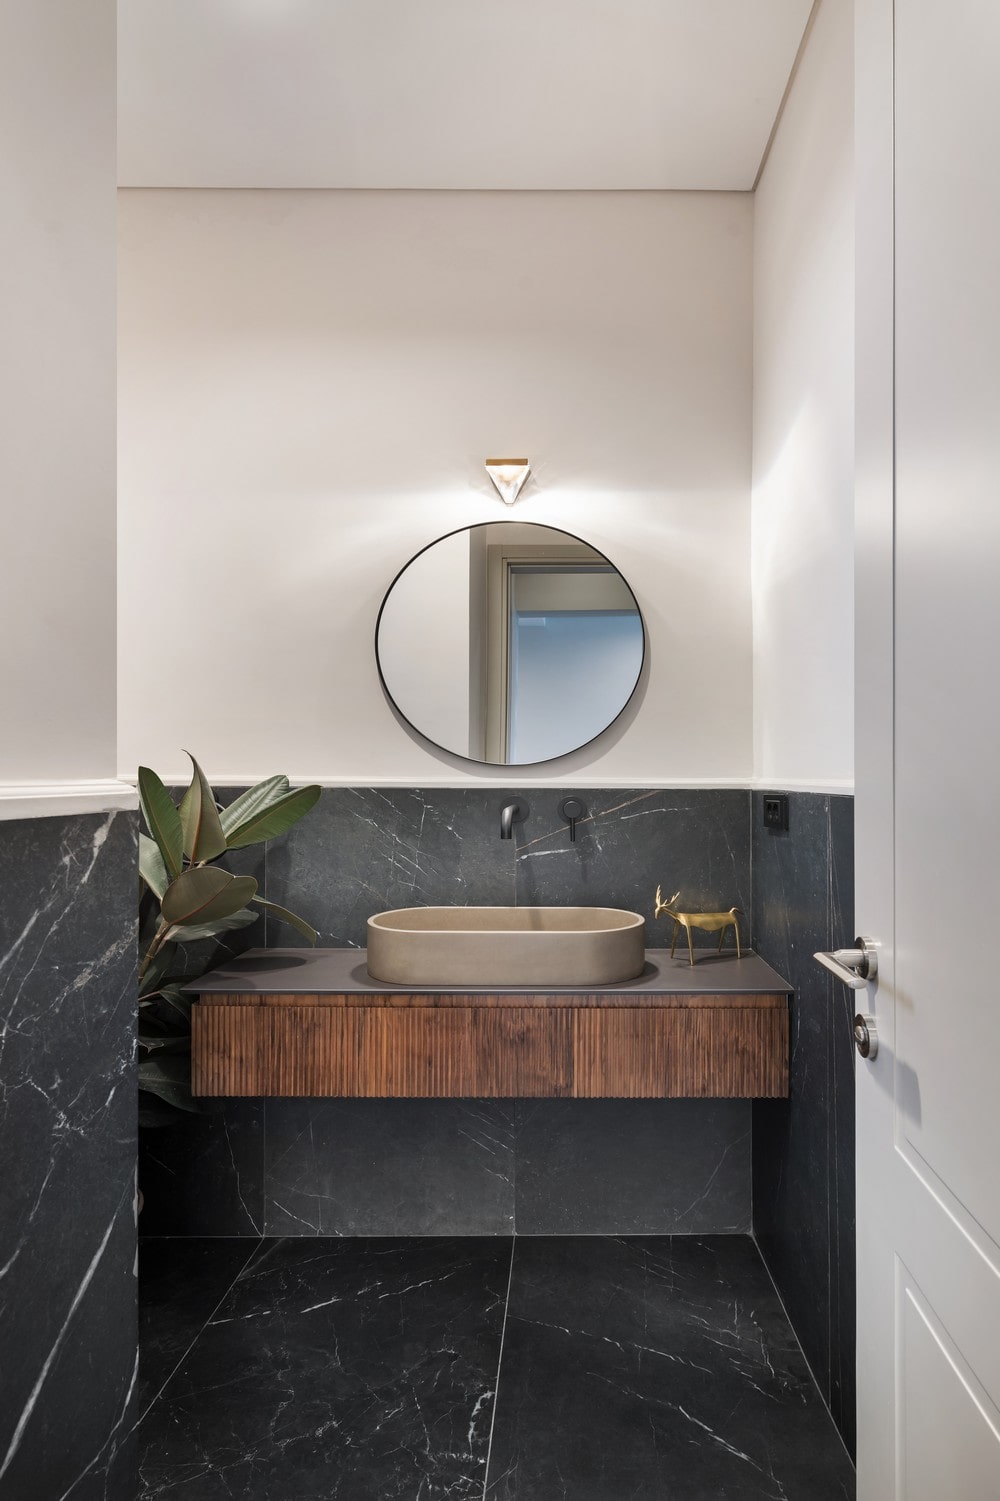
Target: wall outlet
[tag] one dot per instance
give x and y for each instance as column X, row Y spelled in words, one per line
column 776, row 811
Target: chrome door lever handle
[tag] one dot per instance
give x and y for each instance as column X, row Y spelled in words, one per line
column 854, row 966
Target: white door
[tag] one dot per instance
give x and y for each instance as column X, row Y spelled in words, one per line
column 928, row 765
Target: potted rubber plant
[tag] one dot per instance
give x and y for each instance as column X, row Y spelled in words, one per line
column 185, row 898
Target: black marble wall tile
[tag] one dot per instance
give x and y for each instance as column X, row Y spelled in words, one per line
column 390, row 1167
column 803, row 1147
column 204, row 1175
column 624, row 1167
column 632, row 841
column 843, row 1059
column 364, row 850
column 448, row 1167
column 67, row 1118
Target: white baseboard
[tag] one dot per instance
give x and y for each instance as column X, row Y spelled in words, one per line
column 56, row 799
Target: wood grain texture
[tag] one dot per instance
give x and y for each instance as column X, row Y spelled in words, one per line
column 299, row 1046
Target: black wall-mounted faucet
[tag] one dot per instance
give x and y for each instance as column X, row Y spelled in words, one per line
column 510, row 814
column 572, row 810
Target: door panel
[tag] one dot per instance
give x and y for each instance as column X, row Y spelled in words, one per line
column 928, row 713
column 947, row 620
column 948, row 1436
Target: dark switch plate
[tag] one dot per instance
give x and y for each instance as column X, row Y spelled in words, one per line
column 775, row 811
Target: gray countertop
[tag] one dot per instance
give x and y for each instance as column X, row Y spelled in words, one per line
column 343, row 971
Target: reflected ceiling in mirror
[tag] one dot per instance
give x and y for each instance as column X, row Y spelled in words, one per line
column 509, row 643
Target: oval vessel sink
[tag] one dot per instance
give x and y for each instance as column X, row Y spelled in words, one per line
column 484, row 946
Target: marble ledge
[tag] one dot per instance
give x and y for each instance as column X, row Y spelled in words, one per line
column 342, row 971
column 24, row 800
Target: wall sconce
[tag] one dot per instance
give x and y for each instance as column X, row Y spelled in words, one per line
column 508, row 475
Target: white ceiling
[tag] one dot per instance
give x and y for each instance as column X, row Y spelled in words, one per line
column 451, row 93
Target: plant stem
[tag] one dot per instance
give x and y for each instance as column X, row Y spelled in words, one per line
column 159, row 938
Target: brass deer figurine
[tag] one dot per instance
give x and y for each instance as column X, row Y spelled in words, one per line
column 709, row 922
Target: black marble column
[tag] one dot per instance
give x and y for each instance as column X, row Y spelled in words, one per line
column 67, row 1120
column 803, row 1147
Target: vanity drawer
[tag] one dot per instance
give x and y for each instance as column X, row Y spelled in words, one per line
column 321, row 1046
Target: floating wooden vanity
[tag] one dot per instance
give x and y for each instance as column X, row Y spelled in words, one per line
column 286, row 1022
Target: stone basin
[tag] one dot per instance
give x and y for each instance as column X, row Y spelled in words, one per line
column 505, row 946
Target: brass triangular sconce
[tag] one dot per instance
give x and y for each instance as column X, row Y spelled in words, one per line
column 509, row 476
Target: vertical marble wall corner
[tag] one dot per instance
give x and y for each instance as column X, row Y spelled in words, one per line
column 803, row 1147
column 68, row 1120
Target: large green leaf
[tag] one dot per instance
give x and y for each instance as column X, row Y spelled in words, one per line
column 151, row 866
column 203, row 836
column 205, row 894
column 274, row 819
column 300, row 923
column 176, row 1003
column 163, row 1042
column 252, row 801
column 162, row 820
column 240, row 919
column 170, row 1078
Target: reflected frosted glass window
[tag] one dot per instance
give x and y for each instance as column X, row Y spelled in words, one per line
column 566, row 666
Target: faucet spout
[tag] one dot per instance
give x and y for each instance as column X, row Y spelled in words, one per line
column 510, row 814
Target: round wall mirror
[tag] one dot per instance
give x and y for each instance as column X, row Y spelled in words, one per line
column 509, row 643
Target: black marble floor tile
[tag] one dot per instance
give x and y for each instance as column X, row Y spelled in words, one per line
column 652, row 1368
column 360, row 1369
column 181, row 1283
column 632, row 1167
column 390, row 1167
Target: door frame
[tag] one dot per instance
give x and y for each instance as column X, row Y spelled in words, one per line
column 874, row 705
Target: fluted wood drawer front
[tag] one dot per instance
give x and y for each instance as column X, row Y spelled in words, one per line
column 489, row 1052
column 736, row 1053
column 257, row 1050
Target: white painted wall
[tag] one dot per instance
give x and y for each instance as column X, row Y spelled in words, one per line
column 309, row 383
column 57, row 406
column 424, row 641
column 803, row 440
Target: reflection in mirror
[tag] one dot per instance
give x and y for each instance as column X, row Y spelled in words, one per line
column 509, row 643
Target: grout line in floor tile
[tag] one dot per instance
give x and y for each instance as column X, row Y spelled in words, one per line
column 181, row 1359
column 496, row 1394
